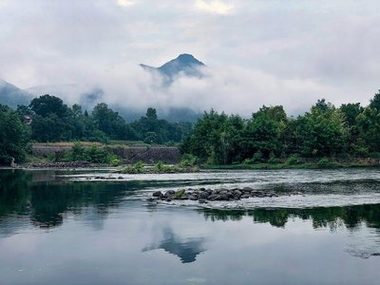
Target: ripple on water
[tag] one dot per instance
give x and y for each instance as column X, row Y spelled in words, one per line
column 320, row 188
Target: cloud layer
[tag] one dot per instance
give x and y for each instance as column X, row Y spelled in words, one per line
column 289, row 52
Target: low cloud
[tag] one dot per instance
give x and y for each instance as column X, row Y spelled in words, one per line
column 257, row 52
column 232, row 89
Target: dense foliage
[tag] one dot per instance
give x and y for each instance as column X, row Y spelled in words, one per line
column 55, row 121
column 270, row 135
column 14, row 136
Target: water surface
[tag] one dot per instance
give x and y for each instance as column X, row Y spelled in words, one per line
column 59, row 227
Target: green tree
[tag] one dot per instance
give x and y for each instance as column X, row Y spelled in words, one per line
column 369, row 128
column 264, row 132
column 52, row 119
column 322, row 131
column 111, row 123
column 14, row 136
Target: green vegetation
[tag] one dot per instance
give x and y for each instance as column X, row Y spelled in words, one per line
column 137, row 168
column 324, row 137
column 92, row 154
column 54, row 121
column 14, row 136
column 159, row 167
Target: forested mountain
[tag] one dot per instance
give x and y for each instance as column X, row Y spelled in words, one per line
column 12, row 96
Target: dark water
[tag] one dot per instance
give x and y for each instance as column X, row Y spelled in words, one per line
column 58, row 228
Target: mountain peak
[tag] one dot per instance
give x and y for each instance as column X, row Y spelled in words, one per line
column 185, row 63
column 184, row 59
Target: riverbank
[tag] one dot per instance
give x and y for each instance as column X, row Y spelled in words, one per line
column 321, row 164
column 150, row 168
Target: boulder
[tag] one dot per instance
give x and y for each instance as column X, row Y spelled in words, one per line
column 193, row 197
column 203, row 195
column 247, row 189
column 169, row 194
column 157, row 194
column 212, row 197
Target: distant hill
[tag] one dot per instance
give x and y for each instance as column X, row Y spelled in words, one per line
column 88, row 97
column 12, row 96
column 185, row 64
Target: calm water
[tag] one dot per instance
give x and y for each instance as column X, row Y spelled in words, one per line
column 96, row 228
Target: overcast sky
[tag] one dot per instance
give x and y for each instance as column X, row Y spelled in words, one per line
column 288, row 52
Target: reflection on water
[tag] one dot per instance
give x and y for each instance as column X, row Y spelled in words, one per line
column 55, row 231
column 46, row 202
column 186, row 249
column 332, row 217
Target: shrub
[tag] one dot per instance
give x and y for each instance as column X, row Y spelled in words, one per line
column 92, row 154
column 294, row 159
column 114, row 160
column 160, row 167
column 256, row 158
column 273, row 159
column 188, row 160
column 136, row 168
column 326, row 163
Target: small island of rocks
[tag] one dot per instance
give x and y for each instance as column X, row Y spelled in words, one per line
column 204, row 195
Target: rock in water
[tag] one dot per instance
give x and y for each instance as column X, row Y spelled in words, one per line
column 157, row 194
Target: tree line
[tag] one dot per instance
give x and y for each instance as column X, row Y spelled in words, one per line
column 48, row 119
column 269, row 135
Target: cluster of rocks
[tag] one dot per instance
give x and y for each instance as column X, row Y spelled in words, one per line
column 204, row 195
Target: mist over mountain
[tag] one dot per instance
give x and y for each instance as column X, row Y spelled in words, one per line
column 180, row 90
column 90, row 94
column 12, row 96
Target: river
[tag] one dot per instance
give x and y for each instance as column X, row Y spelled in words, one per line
column 96, row 227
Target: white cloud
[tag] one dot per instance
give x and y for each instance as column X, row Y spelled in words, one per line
column 125, row 3
column 324, row 49
column 214, row 6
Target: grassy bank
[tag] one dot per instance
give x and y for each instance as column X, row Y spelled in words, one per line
column 134, row 158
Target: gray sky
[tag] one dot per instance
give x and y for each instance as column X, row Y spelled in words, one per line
column 288, row 52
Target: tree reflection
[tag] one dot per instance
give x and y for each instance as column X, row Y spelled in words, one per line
column 14, row 192
column 332, row 217
column 46, row 203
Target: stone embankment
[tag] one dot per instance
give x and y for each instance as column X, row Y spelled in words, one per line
column 203, row 195
column 61, row 165
column 128, row 154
